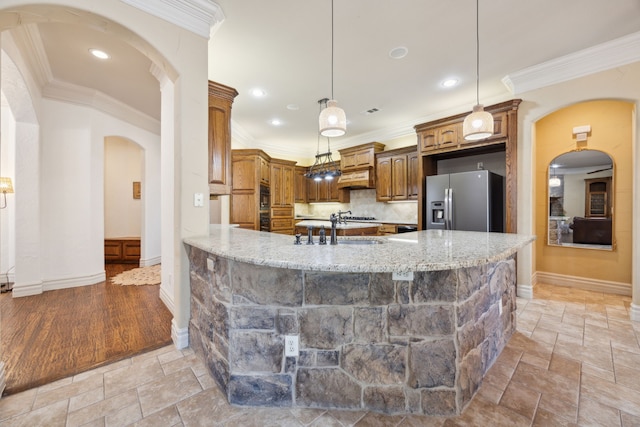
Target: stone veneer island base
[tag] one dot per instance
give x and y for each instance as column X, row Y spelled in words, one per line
column 366, row 341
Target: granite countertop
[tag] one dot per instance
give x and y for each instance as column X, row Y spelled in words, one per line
column 327, row 224
column 418, row 251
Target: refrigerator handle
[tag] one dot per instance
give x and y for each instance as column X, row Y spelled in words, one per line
column 447, row 208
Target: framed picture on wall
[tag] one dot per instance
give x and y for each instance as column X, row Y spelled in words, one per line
column 136, row 189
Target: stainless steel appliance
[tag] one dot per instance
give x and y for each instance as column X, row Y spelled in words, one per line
column 469, row 201
column 265, row 205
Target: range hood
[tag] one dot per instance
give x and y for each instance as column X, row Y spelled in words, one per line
column 357, row 179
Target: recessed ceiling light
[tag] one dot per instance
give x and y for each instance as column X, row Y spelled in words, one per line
column 99, row 53
column 293, row 107
column 276, row 122
column 258, row 93
column 450, row 82
column 398, row 52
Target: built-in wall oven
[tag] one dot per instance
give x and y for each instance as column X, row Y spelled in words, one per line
column 265, row 203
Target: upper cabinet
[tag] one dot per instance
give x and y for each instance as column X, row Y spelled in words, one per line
column 300, row 185
column 397, row 175
column 326, row 191
column 358, row 165
column 220, row 100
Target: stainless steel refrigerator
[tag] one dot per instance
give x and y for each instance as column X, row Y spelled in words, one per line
column 469, row 201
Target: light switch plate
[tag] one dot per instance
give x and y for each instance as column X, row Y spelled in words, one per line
column 198, row 200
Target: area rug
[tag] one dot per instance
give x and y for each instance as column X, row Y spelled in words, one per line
column 139, row 276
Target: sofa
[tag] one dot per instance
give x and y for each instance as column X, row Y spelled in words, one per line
column 593, row 231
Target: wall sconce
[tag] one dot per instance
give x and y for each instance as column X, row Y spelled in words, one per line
column 5, row 187
column 581, row 132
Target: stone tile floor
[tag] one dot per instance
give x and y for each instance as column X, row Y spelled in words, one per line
column 574, row 360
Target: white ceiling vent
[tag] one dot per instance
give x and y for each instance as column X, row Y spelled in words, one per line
column 370, row 111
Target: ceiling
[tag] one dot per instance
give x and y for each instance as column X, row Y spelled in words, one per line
column 284, row 48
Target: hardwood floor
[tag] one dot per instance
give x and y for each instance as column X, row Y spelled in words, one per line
column 60, row 333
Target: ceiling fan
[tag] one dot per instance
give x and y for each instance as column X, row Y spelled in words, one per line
column 600, row 170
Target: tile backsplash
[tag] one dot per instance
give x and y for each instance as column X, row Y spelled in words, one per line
column 363, row 203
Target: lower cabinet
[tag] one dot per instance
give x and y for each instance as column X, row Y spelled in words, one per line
column 122, row 250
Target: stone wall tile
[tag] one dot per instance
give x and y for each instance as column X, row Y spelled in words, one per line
column 266, row 285
column 321, row 288
column 255, row 351
column 307, row 358
column 253, row 317
column 403, row 292
column 470, row 375
column 439, row 402
column 375, row 363
column 272, row 390
column 470, row 280
column 389, row 400
column 421, row 320
column 370, row 324
column 434, row 286
column 219, row 278
column 327, row 388
column 433, row 364
column 470, row 336
column 199, row 287
column 382, row 289
column 286, row 322
column 327, row 358
column 472, row 309
column 325, row 327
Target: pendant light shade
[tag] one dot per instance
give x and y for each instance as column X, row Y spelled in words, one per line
column 332, row 120
column 479, row 124
column 554, row 182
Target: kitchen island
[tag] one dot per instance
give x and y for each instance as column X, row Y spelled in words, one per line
column 407, row 325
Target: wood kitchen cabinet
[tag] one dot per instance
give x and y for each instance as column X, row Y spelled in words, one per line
column 124, row 250
column 357, row 165
column 396, row 175
column 247, row 178
column 282, row 195
column 220, row 100
column 326, row 191
column 442, row 140
column 597, row 198
column 300, row 184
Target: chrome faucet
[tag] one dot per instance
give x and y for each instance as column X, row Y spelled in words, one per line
column 340, row 219
column 334, row 221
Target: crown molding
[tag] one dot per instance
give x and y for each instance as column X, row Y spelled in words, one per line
column 27, row 39
column 80, row 95
column 201, row 17
column 615, row 53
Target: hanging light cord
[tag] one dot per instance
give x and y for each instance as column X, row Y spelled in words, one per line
column 331, row 49
column 477, row 52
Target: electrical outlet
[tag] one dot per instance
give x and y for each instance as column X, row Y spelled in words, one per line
column 404, row 275
column 291, row 345
column 198, row 200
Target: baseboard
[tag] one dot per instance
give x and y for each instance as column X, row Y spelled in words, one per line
column 585, row 283
column 180, row 336
column 524, row 291
column 635, row 312
column 26, row 289
column 7, row 277
column 73, row 282
column 167, row 300
column 150, row 261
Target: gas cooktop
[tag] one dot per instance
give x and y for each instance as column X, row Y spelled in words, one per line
column 358, row 218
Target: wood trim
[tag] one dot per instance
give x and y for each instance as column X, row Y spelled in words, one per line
column 585, row 283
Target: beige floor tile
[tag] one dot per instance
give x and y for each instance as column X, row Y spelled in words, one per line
column 124, row 417
column 421, row 421
column 594, row 413
column 208, row 405
column 67, row 391
column 88, row 398
column 544, row 381
column 545, row 419
column 53, row 415
column 482, row 413
column 167, row 391
column 21, row 403
column 378, row 420
column 185, row 362
column 306, row 416
column 347, row 418
column 626, row 358
column 131, row 376
column 608, row 394
column 490, row 393
column 166, row 417
column 628, row 377
column 559, row 407
column 521, row 400
column 102, row 408
column 536, row 361
column 328, row 421
column 565, row 366
column 258, row 417
column 629, row 420
column 604, row 374
column 541, row 334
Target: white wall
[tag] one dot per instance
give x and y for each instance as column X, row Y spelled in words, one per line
column 7, row 215
column 122, row 166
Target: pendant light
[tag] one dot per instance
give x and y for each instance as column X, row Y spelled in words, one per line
column 478, row 124
column 332, row 120
column 554, row 181
column 324, row 167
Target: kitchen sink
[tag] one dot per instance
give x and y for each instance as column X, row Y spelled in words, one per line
column 359, row 242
